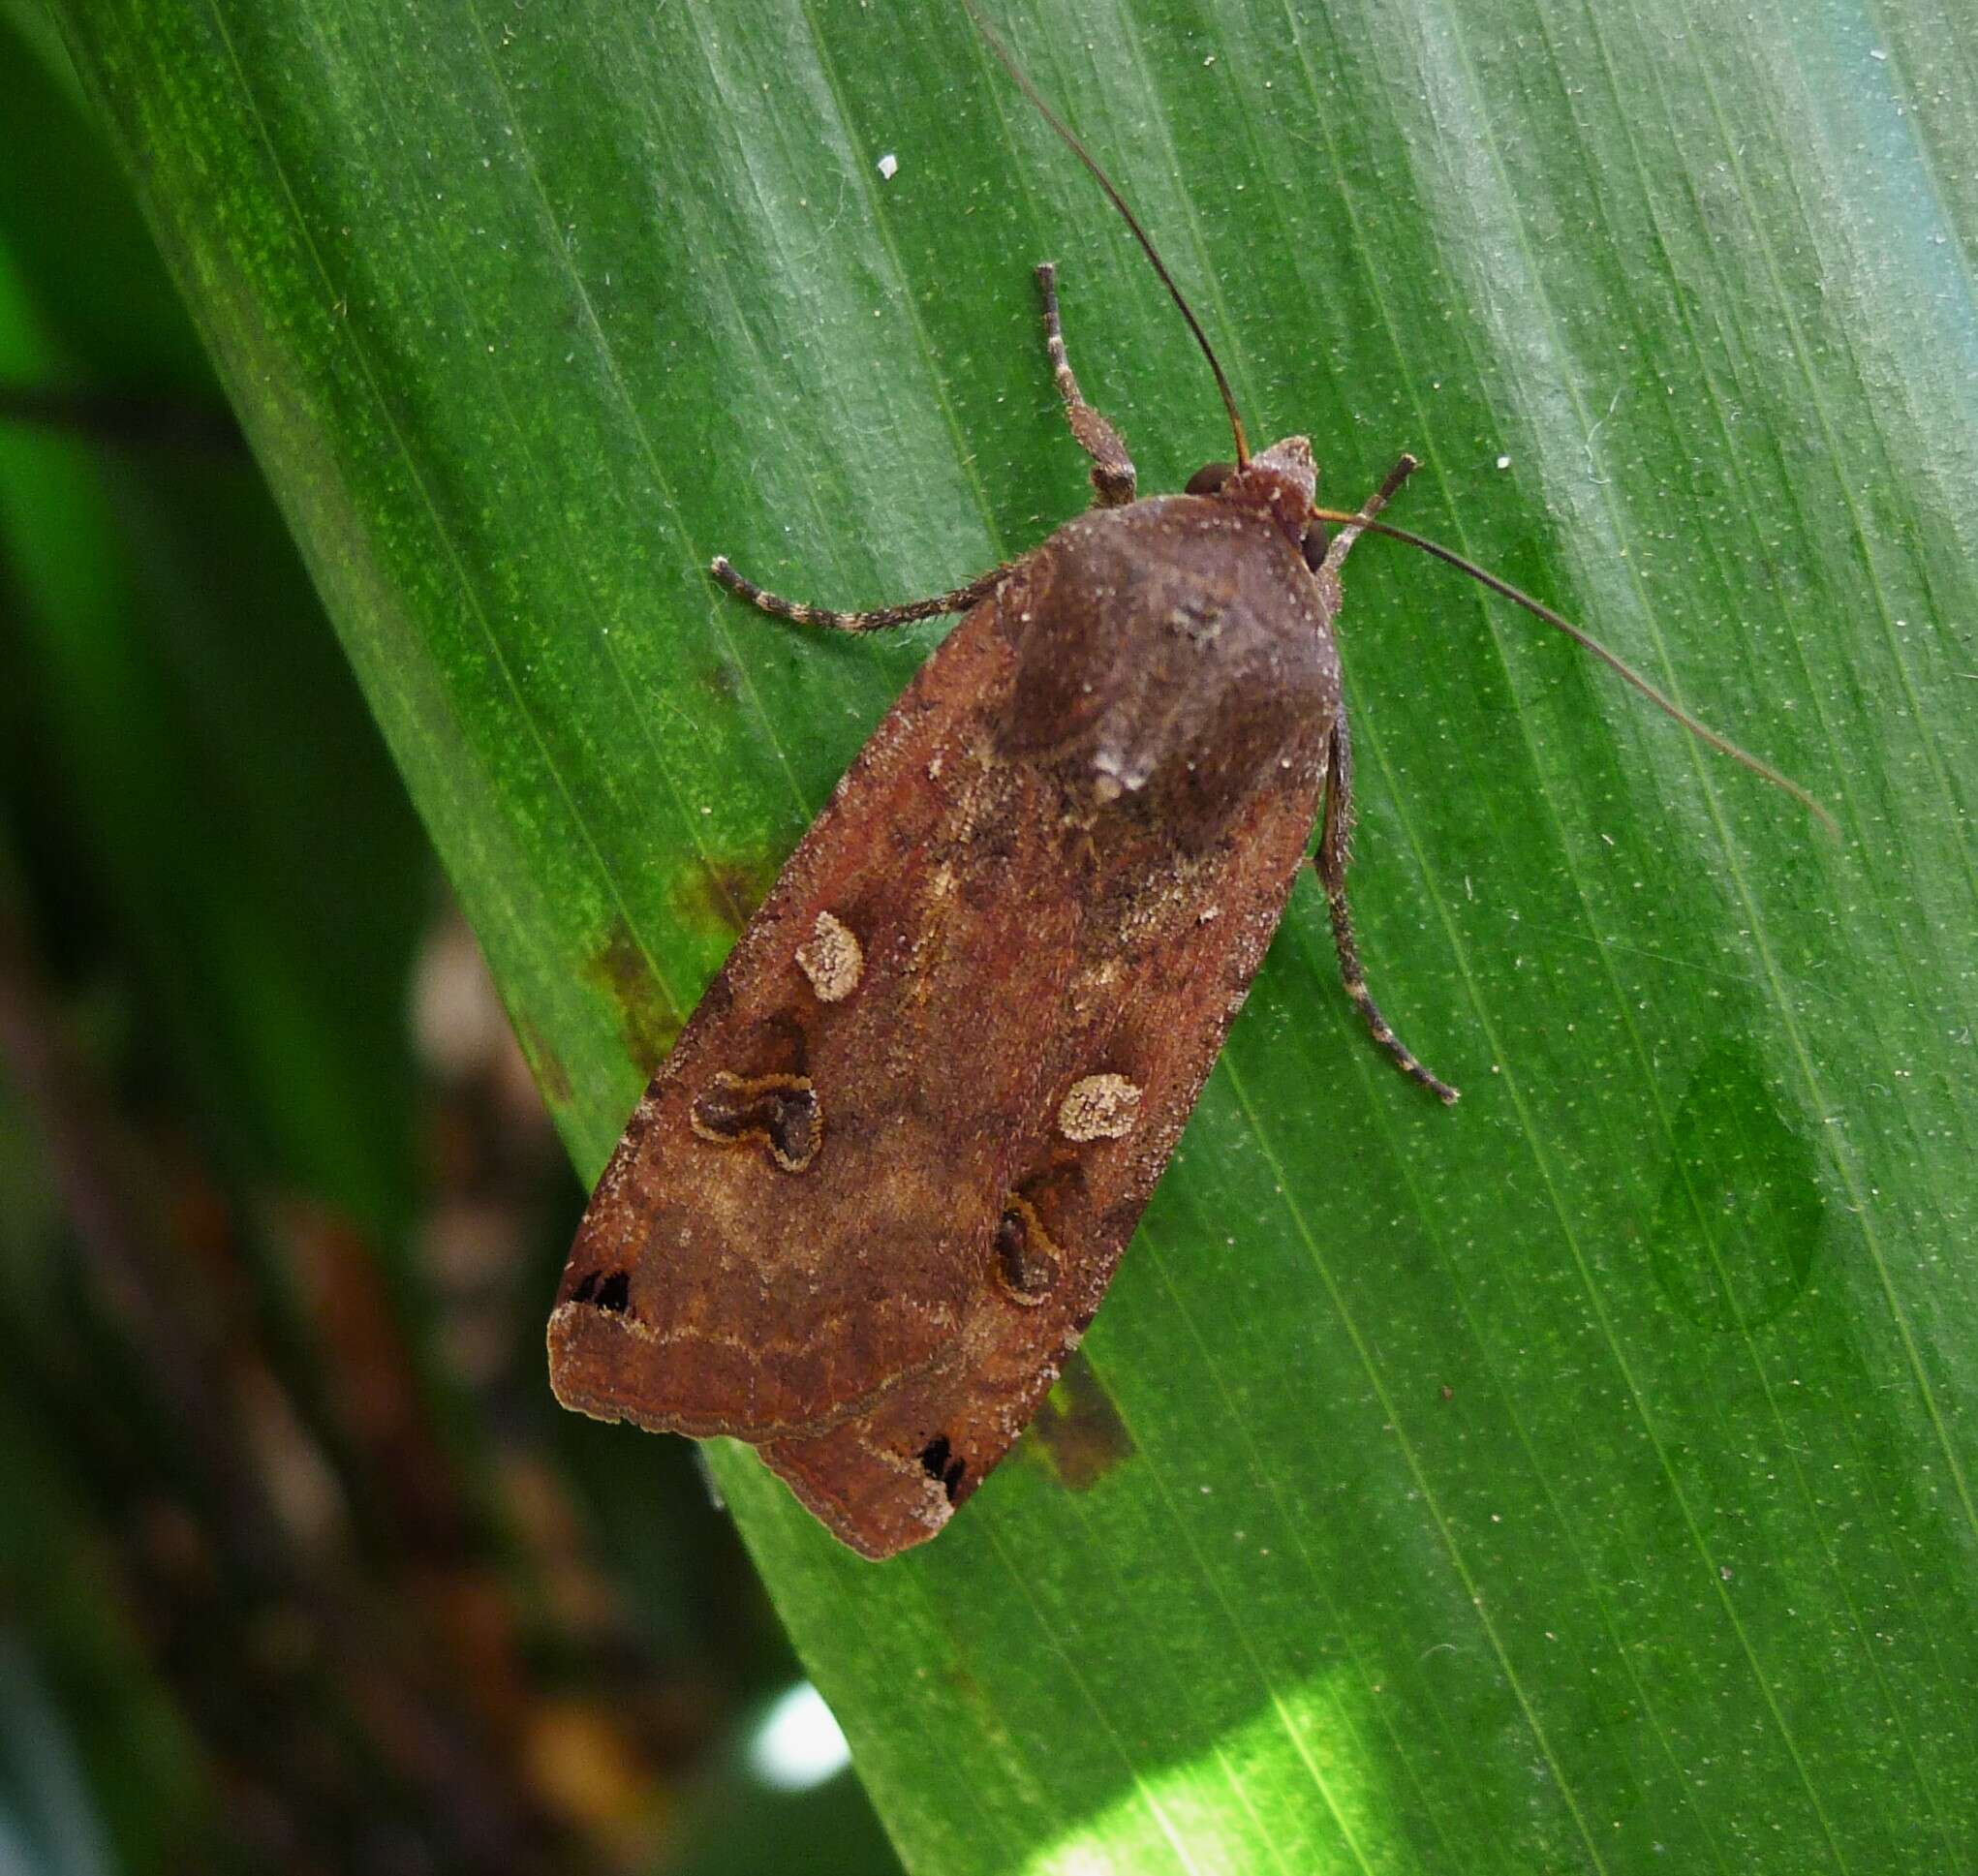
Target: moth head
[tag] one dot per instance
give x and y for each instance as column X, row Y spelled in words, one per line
column 1281, row 481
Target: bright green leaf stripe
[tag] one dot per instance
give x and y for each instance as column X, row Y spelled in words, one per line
column 1581, row 1479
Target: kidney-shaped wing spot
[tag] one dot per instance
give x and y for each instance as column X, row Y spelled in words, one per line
column 779, row 1113
column 1028, row 1265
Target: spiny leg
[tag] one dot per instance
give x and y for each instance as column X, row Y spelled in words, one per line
column 1113, row 479
column 1368, row 509
column 960, row 599
column 1334, row 842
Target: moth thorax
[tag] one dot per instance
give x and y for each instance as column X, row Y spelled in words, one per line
column 1283, row 480
column 1168, row 658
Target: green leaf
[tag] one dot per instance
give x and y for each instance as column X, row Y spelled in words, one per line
column 1581, row 1478
column 208, row 769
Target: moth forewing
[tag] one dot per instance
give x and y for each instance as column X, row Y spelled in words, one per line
column 1056, row 907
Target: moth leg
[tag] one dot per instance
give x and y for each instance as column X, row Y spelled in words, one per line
column 960, row 599
column 1334, row 842
column 1113, row 478
column 1341, row 541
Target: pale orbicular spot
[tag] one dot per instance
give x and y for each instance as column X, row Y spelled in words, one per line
column 1100, row 1107
column 831, row 959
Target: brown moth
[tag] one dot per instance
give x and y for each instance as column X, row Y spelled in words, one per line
column 870, row 1203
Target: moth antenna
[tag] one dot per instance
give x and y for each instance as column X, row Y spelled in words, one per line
column 1009, row 63
column 1662, row 701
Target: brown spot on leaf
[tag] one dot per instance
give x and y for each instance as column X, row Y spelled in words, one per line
column 646, row 1017
column 722, row 895
column 1078, row 1432
column 779, row 1112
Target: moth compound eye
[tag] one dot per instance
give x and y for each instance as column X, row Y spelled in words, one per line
column 1211, row 476
column 1314, row 543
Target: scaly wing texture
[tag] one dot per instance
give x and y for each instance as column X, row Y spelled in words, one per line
column 732, row 1294
column 854, row 1218
column 1126, row 1047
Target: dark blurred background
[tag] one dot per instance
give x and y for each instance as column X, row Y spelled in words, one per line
column 300, row 1566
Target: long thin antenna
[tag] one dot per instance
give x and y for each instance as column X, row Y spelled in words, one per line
column 1118, row 201
column 1616, row 663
